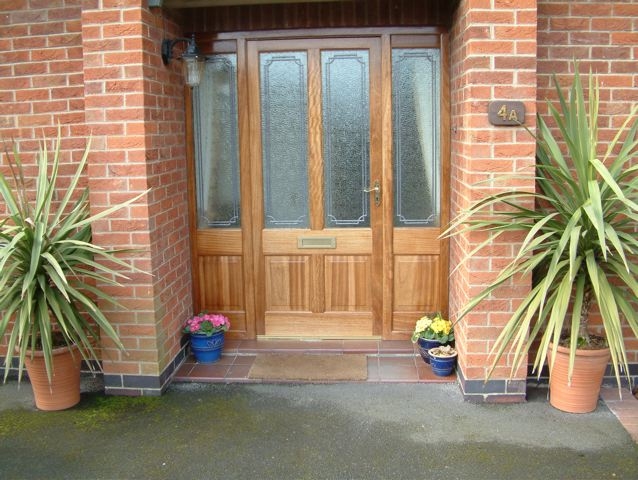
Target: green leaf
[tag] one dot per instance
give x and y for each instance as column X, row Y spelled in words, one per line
column 594, row 211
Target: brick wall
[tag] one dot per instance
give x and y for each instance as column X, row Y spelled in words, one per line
column 94, row 66
column 603, row 37
column 41, row 82
column 135, row 109
column 493, row 57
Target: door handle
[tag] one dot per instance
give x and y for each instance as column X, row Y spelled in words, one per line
column 376, row 188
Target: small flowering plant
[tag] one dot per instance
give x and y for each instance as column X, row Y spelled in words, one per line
column 207, row 324
column 436, row 328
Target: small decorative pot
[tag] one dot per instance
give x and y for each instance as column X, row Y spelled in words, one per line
column 442, row 366
column 425, row 345
column 207, row 349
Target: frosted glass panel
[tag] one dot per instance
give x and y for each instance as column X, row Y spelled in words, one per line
column 415, row 112
column 284, row 133
column 216, row 151
column 346, row 137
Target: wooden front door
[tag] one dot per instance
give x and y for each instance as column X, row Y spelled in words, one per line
column 319, row 188
column 315, row 150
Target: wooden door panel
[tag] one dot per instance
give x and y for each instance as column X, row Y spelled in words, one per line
column 416, row 286
column 221, row 287
column 327, row 325
column 417, row 290
column 348, row 283
column 417, row 241
column 287, row 283
column 220, row 242
column 418, row 282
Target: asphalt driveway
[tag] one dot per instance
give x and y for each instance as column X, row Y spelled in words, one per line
column 339, row 431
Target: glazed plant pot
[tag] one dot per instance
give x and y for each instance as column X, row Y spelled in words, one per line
column 207, row 349
column 581, row 396
column 442, row 365
column 425, row 345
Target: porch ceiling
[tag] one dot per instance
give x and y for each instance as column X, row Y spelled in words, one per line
column 220, row 3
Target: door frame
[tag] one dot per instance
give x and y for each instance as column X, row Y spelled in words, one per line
column 237, row 242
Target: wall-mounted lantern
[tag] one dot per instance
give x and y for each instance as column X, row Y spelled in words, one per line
column 192, row 60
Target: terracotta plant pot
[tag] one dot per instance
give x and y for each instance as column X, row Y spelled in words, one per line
column 64, row 390
column 582, row 395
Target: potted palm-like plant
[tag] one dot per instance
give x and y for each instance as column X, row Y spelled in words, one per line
column 580, row 242
column 48, row 272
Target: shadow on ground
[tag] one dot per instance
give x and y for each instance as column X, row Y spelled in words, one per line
column 341, row 431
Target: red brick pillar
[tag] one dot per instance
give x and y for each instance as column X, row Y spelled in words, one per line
column 136, row 118
column 493, row 57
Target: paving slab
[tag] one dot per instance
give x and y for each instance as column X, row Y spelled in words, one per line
column 328, row 431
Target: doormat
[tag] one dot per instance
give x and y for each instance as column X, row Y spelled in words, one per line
column 309, row 367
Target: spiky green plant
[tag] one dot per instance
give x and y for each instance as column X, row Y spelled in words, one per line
column 48, row 265
column 580, row 239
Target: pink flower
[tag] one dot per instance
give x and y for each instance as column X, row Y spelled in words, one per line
column 207, row 324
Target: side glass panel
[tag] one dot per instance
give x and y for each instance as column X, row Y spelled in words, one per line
column 284, row 133
column 216, row 144
column 346, row 137
column 416, row 133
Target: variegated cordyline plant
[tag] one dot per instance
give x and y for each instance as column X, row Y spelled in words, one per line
column 48, row 265
column 580, row 239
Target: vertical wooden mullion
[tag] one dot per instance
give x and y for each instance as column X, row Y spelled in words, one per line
column 316, row 176
column 192, row 196
column 317, row 284
column 247, row 221
column 256, row 182
column 376, row 173
column 445, row 172
column 315, row 138
column 387, row 184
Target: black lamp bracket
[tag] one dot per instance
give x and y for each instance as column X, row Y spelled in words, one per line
column 167, row 48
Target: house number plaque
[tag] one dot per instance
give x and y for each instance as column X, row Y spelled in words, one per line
column 506, row 113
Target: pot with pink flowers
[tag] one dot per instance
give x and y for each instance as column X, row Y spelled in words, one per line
column 206, row 332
